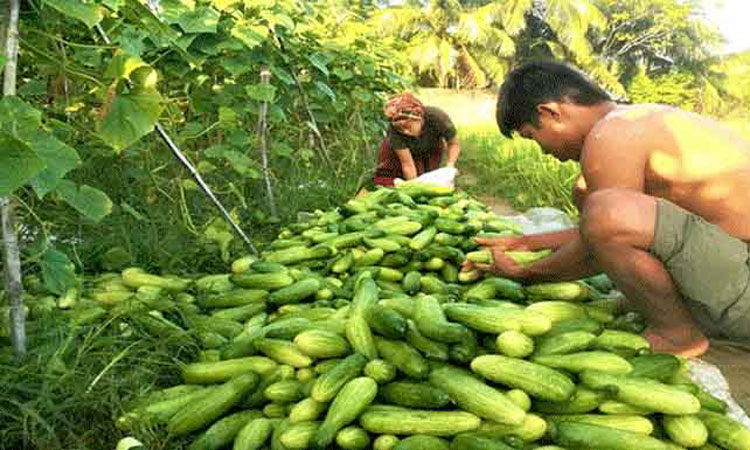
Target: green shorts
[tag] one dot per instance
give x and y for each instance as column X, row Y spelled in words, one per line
column 710, row 268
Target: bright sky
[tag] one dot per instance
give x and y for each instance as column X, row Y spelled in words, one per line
column 731, row 18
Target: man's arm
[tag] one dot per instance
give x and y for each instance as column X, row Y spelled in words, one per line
column 407, row 163
column 454, row 150
column 568, row 262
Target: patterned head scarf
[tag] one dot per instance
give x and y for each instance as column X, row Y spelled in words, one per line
column 403, row 106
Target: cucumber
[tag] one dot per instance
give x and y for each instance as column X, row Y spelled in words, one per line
column 576, row 435
column 414, row 395
column 352, row 399
column 474, row 396
column 643, row 392
column 224, row 431
column 404, row 421
column 329, row 383
column 199, row 414
column 537, row 380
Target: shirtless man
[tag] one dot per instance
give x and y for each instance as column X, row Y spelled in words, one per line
column 664, row 197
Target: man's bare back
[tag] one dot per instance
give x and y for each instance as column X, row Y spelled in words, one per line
column 690, row 160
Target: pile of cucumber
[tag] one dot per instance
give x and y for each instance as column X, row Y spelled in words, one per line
column 357, row 329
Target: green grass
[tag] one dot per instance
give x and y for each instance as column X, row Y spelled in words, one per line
column 77, row 380
column 515, row 170
column 512, row 170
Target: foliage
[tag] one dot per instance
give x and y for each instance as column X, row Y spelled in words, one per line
column 676, row 89
column 80, row 378
column 194, row 66
column 473, row 44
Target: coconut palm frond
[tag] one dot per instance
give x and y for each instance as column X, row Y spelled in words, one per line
column 501, row 43
column 425, row 53
column 493, row 66
column 401, row 22
column 513, row 15
column 570, row 20
column 598, row 69
column 446, row 62
column 469, row 28
column 471, row 73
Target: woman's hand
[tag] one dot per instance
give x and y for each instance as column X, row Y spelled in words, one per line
column 502, row 265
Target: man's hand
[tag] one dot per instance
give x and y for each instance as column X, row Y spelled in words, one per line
column 501, row 265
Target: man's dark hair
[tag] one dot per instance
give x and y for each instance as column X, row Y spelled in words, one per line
column 533, row 83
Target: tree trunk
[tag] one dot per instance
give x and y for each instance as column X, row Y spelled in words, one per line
column 13, row 285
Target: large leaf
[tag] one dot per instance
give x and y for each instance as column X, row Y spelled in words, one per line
column 263, row 92
column 18, row 118
column 202, row 20
column 319, row 62
column 86, row 13
column 58, row 158
column 18, row 164
column 58, row 272
column 251, row 34
column 132, row 116
column 89, row 201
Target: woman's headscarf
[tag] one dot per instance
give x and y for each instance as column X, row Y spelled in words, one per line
column 403, row 106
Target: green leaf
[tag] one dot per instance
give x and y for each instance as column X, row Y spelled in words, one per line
column 131, row 40
column 227, row 117
column 33, row 87
column 282, row 75
column 18, row 118
column 58, row 157
column 325, row 89
column 2, row 62
column 122, row 65
column 132, row 116
column 202, row 20
column 133, row 212
column 261, row 92
column 86, row 13
column 58, row 272
column 225, row 5
column 170, row 11
column 343, row 74
column 89, row 201
column 317, row 60
column 251, row 34
column 114, row 5
column 238, row 64
column 18, row 164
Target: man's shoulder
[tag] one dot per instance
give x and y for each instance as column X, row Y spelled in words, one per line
column 640, row 115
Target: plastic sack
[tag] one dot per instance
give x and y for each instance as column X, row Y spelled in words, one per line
column 542, row 220
column 441, row 177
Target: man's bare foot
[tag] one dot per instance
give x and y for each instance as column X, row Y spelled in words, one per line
column 684, row 342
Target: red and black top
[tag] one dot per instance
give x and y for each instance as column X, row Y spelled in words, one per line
column 426, row 149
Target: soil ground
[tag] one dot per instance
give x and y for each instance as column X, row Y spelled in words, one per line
column 734, row 363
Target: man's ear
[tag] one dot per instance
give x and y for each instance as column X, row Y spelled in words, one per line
column 549, row 109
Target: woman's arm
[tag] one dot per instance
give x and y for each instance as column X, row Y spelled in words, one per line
column 407, row 163
column 454, row 150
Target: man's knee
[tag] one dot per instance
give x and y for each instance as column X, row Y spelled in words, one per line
column 617, row 216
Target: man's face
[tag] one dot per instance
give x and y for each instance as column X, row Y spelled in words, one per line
column 409, row 127
column 553, row 137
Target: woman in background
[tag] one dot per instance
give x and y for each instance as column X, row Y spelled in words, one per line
column 417, row 139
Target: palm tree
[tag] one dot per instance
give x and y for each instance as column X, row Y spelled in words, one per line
column 472, row 43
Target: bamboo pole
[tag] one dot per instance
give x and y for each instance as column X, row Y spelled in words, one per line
column 265, row 76
column 13, row 285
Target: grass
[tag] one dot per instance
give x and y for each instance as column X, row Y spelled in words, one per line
column 493, row 166
column 77, row 380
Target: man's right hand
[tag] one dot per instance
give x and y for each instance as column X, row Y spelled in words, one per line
column 501, row 265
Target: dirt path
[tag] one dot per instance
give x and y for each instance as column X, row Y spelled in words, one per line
column 734, row 363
